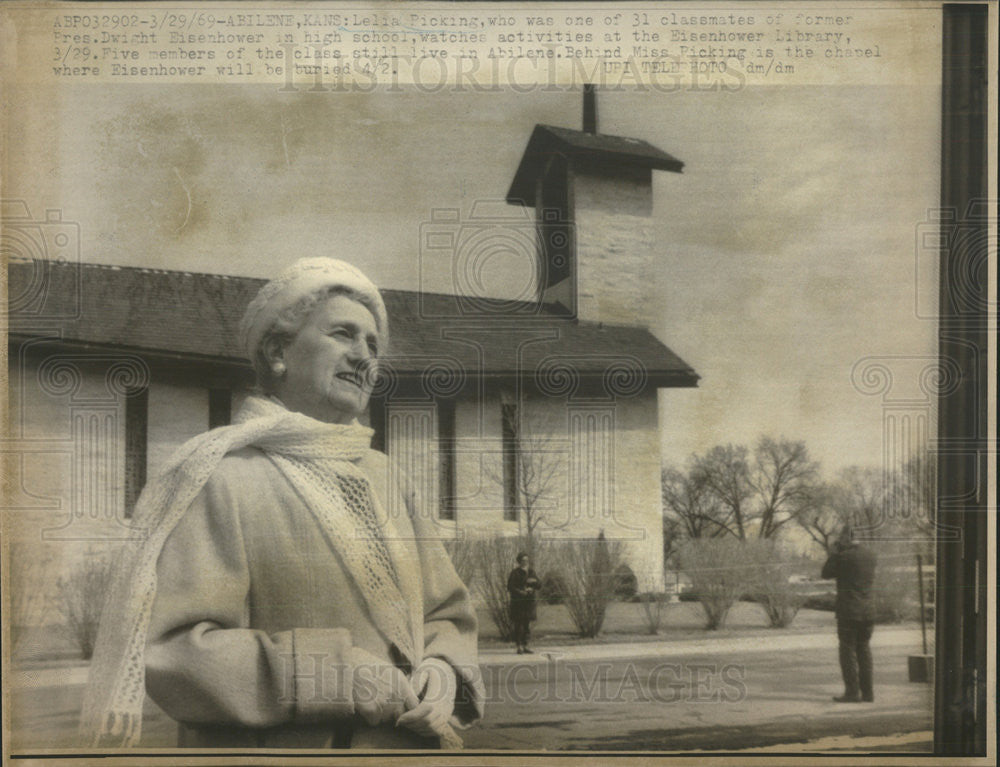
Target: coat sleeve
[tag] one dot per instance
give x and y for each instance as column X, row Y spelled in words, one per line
column 450, row 625
column 830, row 567
column 203, row 662
column 517, row 584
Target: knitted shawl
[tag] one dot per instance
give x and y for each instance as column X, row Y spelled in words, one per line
column 319, row 459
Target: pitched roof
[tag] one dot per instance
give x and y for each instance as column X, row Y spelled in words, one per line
column 197, row 316
column 547, row 140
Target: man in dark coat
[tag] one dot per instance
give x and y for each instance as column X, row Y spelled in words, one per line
column 522, row 585
column 853, row 565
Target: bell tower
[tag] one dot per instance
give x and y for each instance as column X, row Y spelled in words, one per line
column 593, row 200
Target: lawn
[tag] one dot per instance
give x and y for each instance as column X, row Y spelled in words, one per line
column 626, row 622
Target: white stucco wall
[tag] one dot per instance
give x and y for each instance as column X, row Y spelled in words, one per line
column 608, row 480
column 176, row 413
column 66, row 466
column 614, row 237
column 67, row 420
column 479, row 467
column 617, row 461
column 612, row 453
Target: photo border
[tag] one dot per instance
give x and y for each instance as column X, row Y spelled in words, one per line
column 963, row 709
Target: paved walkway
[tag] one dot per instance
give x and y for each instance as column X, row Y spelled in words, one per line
column 676, row 696
column 600, row 697
column 892, row 636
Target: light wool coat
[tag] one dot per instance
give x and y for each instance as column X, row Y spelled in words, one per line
column 255, row 613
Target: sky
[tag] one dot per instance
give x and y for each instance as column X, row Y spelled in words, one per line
column 785, row 253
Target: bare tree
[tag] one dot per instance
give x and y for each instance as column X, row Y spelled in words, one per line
column 690, row 506
column 860, row 492
column 538, row 465
column 784, row 481
column 915, row 497
column 672, row 536
column 858, row 495
column 81, row 598
column 740, row 492
column 823, row 520
column 726, row 472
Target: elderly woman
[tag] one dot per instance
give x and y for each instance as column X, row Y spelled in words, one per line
column 288, row 594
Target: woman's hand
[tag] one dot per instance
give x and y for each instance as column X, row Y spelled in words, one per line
column 380, row 690
column 439, row 685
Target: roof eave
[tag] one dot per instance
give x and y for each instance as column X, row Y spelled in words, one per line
column 543, row 142
column 659, row 379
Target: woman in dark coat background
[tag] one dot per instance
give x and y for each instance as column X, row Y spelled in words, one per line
column 522, row 584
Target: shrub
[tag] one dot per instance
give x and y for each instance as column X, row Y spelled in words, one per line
column 652, row 609
column 494, row 559
column 650, row 596
column 895, row 595
column 81, row 599
column 30, row 600
column 588, row 570
column 627, row 585
column 718, row 570
column 825, row 602
column 768, row 582
column 896, row 591
column 463, row 557
column 553, row 588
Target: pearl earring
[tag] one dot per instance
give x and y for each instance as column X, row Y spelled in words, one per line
column 278, row 368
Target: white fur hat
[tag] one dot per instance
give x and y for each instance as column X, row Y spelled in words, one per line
column 305, row 276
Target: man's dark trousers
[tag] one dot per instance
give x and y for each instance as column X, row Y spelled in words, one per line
column 856, row 658
column 854, row 566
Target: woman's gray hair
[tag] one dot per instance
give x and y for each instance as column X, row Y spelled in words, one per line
column 289, row 322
